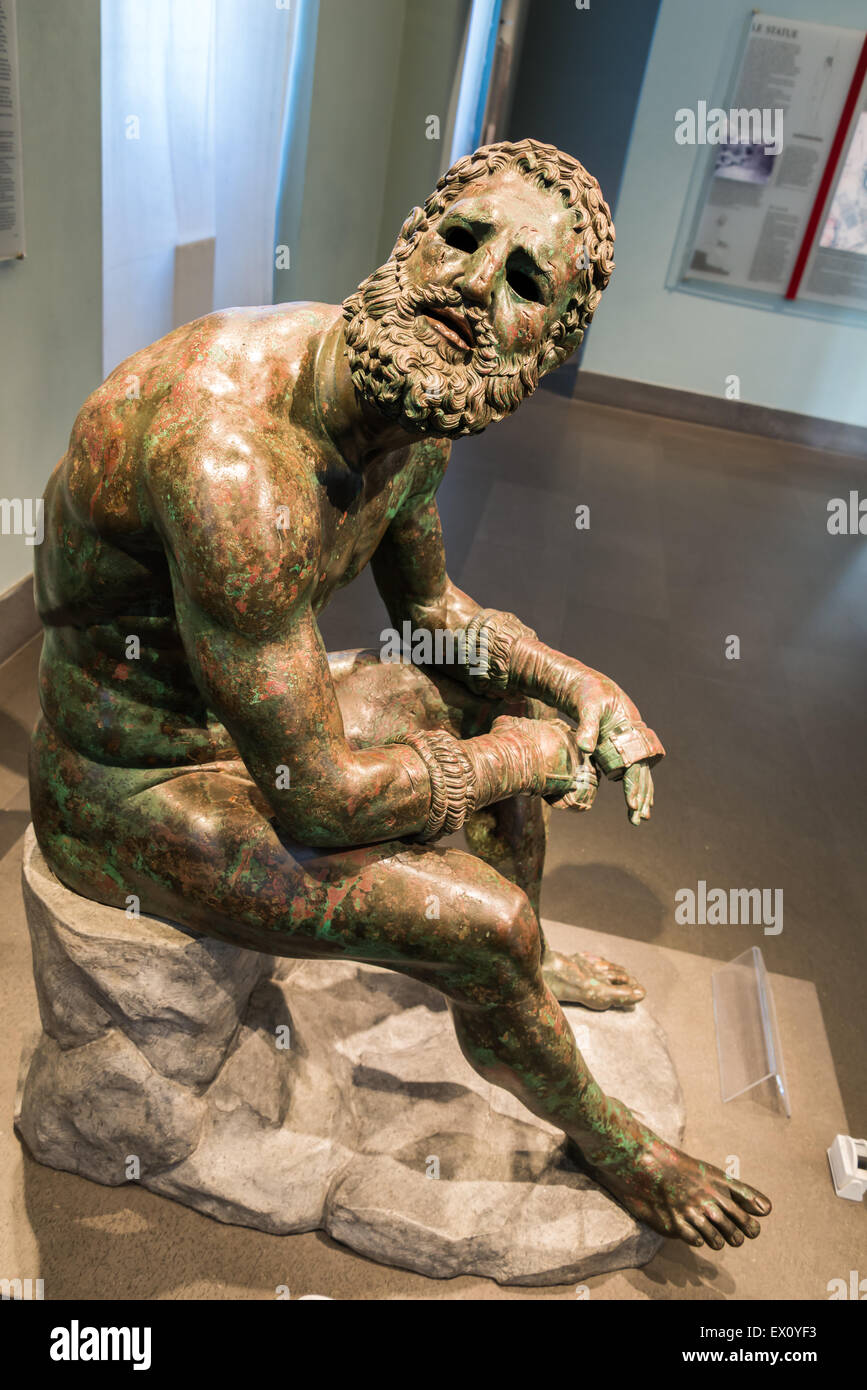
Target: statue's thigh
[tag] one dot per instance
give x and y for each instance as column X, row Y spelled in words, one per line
column 381, row 701
column 201, row 851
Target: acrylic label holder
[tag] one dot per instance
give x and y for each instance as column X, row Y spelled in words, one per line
column 748, row 1040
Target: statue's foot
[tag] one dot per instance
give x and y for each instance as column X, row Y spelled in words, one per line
column 590, row 980
column 681, row 1197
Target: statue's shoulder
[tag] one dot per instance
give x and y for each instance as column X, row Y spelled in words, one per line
column 272, row 328
column 227, row 351
column 235, row 367
column 305, row 315
column 250, row 344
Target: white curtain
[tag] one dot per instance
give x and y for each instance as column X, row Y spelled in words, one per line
column 195, row 101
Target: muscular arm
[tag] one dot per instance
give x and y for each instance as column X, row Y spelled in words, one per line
column 409, row 565
column 410, row 572
column 244, row 591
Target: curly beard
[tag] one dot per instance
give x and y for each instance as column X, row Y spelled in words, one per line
column 400, row 364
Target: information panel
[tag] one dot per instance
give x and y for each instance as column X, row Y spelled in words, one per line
column 11, row 200
column 784, row 205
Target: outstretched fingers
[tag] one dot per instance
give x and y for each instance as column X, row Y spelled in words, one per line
column 638, row 790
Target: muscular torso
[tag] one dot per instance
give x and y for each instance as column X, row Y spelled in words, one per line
column 208, row 443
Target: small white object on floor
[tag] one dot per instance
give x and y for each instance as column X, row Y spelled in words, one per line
column 848, row 1160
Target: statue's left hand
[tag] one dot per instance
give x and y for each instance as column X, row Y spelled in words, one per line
column 612, row 731
column 638, row 790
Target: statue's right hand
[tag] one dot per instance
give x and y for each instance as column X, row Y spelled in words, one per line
column 583, row 779
column 571, row 780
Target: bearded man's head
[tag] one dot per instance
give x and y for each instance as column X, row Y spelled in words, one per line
column 490, row 285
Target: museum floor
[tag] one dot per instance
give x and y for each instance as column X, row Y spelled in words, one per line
column 695, row 535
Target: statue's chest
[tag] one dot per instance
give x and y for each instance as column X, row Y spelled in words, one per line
column 356, row 525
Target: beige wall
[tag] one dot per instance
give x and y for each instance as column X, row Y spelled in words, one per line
column 381, row 67
column 431, row 51
column 51, row 302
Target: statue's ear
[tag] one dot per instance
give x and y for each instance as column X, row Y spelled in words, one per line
column 412, row 224
column 559, row 347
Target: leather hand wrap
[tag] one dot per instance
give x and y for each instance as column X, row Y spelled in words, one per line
column 452, row 781
column 626, row 742
column 491, row 635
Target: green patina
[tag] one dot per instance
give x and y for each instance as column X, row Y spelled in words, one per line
column 154, row 774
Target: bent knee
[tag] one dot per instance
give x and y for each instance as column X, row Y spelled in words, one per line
column 511, row 940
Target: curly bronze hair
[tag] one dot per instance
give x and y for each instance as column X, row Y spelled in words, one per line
column 554, row 171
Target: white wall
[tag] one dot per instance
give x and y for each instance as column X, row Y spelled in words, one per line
column 51, row 302
column 355, row 80
column 645, row 332
column 380, row 68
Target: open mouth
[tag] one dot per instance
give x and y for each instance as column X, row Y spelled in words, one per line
column 453, row 327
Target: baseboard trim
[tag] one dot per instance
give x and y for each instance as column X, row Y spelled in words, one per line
column 19, row 621
column 692, row 406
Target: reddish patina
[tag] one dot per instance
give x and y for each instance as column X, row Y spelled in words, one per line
column 200, row 749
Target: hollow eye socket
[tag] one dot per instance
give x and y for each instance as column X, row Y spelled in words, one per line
column 523, row 285
column 461, row 238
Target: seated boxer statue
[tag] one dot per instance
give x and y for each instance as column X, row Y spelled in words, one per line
column 198, row 747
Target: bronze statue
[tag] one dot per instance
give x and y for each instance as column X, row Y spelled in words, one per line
column 200, row 749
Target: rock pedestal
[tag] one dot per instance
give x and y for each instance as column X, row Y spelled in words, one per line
column 295, row 1095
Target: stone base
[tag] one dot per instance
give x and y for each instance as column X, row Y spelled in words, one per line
column 296, row 1095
